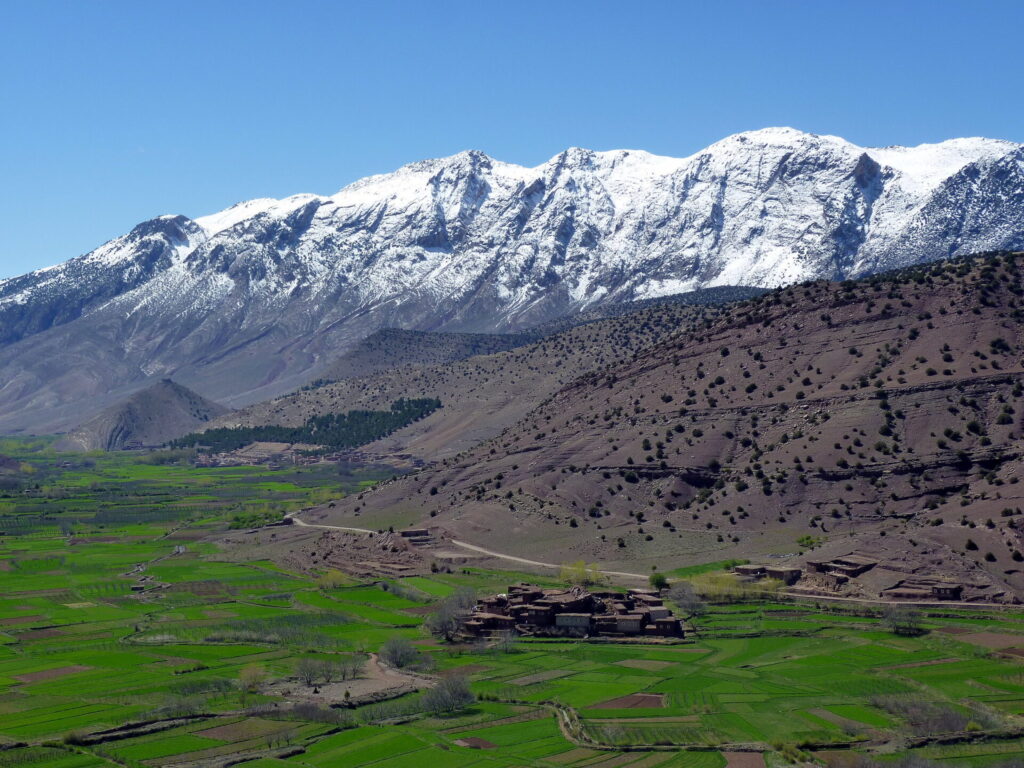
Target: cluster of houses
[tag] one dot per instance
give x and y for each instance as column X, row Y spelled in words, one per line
column 838, row 571
column 274, row 455
column 575, row 612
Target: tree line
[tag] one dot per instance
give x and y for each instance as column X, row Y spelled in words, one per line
column 333, row 431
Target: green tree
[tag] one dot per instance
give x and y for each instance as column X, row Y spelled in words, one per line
column 658, row 581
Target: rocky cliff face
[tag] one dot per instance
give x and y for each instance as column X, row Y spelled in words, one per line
column 254, row 300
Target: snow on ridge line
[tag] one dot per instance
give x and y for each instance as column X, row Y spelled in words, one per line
column 926, row 166
column 922, row 167
column 248, row 209
column 626, row 175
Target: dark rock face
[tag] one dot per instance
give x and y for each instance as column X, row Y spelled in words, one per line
column 258, row 299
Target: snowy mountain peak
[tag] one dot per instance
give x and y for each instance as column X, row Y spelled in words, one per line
column 253, row 299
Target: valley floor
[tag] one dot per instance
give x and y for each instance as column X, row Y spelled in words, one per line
column 172, row 642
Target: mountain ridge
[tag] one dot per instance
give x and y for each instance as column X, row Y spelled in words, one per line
column 256, row 300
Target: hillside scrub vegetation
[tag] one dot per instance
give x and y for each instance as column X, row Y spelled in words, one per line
column 882, row 415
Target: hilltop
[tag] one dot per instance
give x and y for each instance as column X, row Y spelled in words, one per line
column 148, row 418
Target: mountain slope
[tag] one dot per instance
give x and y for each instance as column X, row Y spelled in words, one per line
column 883, row 415
column 392, row 348
column 150, row 417
column 255, row 300
column 484, row 394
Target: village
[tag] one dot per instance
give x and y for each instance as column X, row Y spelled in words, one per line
column 575, row 612
column 281, row 456
column 843, row 575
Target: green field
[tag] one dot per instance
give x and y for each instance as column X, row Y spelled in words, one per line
column 81, row 653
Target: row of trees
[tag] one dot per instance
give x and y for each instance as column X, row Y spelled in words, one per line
column 314, row 671
column 335, row 431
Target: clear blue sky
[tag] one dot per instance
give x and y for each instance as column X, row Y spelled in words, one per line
column 112, row 112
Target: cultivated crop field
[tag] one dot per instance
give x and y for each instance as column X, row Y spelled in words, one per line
column 134, row 644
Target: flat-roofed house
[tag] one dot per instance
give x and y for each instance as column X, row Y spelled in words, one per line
column 784, row 574
column 573, row 621
column 947, row 591
column 539, row 615
column 649, row 600
column 669, row 627
column 749, row 571
column 630, row 623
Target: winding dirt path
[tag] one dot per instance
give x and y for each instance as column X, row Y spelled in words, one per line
column 524, row 561
column 294, row 517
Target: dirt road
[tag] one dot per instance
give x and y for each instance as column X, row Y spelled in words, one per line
column 294, row 517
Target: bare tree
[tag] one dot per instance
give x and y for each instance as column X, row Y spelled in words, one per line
column 351, row 666
column 686, row 599
column 309, row 671
column 249, row 679
column 449, row 695
column 902, row 619
column 399, row 652
column 507, row 641
column 446, row 620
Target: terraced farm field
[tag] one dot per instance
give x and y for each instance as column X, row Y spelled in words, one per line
column 138, row 644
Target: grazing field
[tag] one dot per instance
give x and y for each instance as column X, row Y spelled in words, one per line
column 132, row 643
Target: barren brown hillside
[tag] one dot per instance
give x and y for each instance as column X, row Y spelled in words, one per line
column 882, row 415
column 486, row 393
column 393, row 348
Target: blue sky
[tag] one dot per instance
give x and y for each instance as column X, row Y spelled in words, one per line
column 114, row 112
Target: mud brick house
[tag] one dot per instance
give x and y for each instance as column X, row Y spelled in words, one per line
column 749, row 571
column 787, row 576
column 495, row 622
column 574, row 620
column 851, row 565
column 923, row 589
column 630, row 623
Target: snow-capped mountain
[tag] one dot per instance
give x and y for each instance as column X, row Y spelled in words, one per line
column 253, row 300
